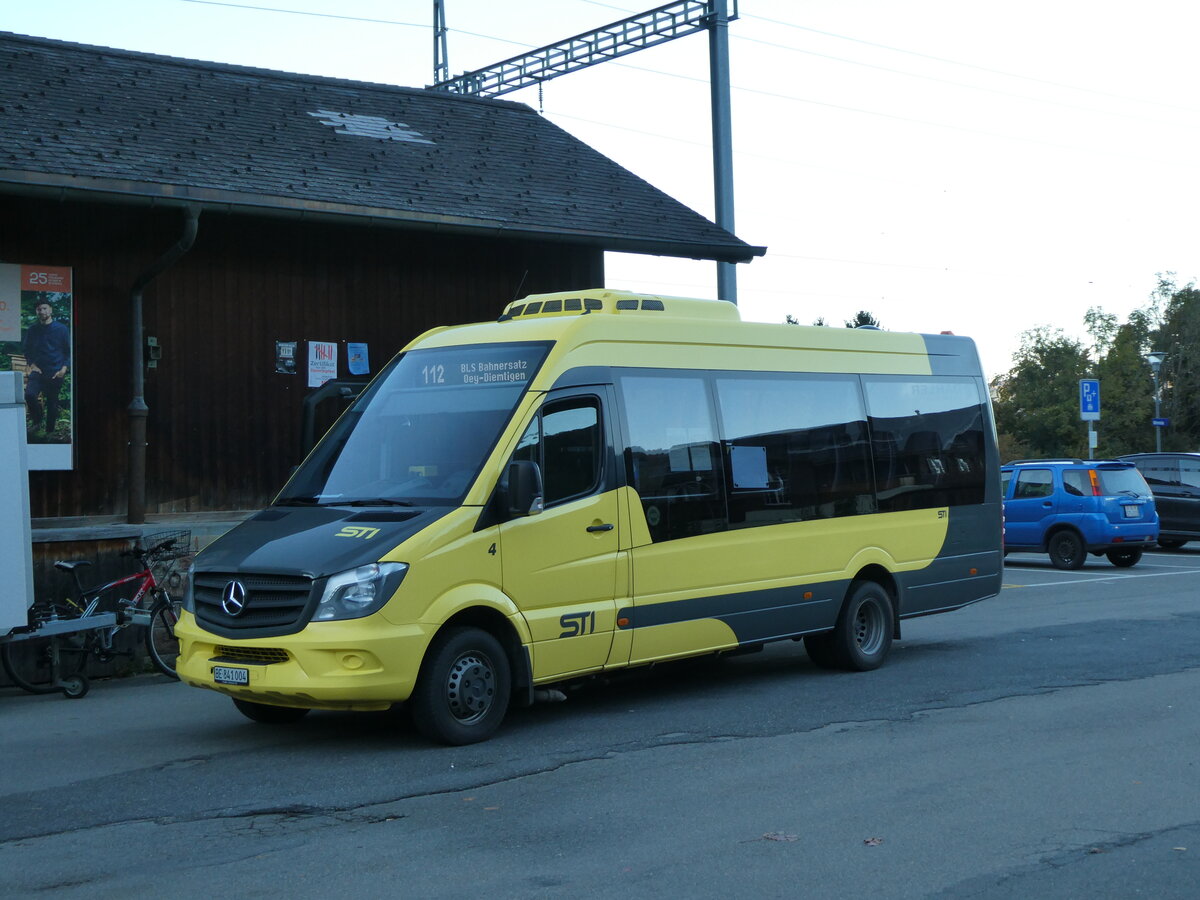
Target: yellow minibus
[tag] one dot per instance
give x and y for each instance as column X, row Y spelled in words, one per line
column 597, row 480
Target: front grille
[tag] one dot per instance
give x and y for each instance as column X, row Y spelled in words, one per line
column 274, row 604
column 261, row 656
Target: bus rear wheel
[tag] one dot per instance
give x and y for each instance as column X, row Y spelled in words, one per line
column 463, row 691
column 863, row 635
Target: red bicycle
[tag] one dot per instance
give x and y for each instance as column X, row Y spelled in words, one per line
column 52, row 652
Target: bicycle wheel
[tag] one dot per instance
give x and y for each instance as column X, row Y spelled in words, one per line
column 161, row 644
column 30, row 664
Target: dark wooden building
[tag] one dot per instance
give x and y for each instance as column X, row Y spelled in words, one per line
column 230, row 208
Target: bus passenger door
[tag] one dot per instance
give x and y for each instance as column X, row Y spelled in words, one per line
column 560, row 566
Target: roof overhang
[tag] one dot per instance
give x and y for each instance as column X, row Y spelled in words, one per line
column 106, row 190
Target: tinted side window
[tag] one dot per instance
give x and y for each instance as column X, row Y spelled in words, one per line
column 1160, row 472
column 1034, row 483
column 796, row 448
column 571, row 449
column 928, row 441
column 673, row 460
column 1189, row 473
column 566, row 441
column 1076, row 483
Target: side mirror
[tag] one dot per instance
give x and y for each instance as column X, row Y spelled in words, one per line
column 523, row 488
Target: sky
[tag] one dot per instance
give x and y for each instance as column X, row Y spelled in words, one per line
column 945, row 165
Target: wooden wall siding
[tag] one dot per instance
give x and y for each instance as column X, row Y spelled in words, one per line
column 223, row 429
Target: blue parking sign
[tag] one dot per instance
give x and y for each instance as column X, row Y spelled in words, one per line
column 1089, row 399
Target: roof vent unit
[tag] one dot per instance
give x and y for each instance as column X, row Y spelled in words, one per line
column 618, row 303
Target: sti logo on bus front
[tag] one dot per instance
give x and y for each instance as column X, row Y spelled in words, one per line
column 358, row 531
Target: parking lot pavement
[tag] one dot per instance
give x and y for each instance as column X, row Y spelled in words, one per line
column 1035, row 569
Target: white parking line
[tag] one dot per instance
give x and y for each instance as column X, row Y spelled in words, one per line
column 1103, row 578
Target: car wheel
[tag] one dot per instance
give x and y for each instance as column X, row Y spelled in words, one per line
column 1168, row 544
column 1067, row 550
column 1125, row 558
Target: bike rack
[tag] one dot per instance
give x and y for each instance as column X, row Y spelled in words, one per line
column 73, row 686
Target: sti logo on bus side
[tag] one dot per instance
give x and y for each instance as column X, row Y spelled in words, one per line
column 358, row 531
column 575, row 624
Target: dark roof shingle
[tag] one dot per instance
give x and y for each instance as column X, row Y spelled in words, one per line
column 119, row 122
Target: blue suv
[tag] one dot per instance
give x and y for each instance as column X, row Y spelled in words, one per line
column 1072, row 507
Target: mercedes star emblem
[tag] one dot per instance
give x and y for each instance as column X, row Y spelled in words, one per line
column 233, row 598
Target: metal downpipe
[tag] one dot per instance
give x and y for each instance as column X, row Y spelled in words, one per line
column 138, row 411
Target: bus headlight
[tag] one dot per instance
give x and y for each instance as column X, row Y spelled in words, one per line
column 359, row 592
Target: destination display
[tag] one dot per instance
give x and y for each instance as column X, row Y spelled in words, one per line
column 479, row 366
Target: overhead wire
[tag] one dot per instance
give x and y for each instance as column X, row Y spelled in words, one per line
column 967, row 65
column 782, row 96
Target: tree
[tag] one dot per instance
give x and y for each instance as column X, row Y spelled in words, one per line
column 1178, row 337
column 1037, row 401
column 862, row 317
column 1125, row 392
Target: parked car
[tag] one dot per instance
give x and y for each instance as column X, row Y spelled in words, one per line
column 1072, row 507
column 1175, row 480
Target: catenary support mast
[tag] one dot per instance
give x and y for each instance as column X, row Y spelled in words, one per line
column 638, row 32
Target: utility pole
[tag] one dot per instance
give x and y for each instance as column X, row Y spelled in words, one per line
column 638, row 32
column 722, row 139
column 441, row 59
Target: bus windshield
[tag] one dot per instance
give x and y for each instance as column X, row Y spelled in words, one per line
column 420, row 434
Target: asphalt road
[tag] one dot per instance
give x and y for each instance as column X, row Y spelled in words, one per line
column 1040, row 744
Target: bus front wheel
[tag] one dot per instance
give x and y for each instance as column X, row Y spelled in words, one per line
column 463, row 690
column 862, row 636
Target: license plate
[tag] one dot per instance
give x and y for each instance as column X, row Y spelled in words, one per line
column 1133, row 512
column 230, row 675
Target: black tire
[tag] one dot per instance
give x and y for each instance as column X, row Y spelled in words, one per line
column 29, row 664
column 1123, row 559
column 1066, row 550
column 1170, row 544
column 161, row 644
column 270, row 715
column 819, row 648
column 863, row 635
column 74, row 687
column 463, row 690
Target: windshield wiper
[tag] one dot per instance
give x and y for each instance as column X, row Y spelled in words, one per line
column 371, row 501
column 298, row 501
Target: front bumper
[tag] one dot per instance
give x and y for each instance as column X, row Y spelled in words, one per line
column 360, row 664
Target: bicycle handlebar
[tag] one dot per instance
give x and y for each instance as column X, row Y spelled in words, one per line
column 143, row 553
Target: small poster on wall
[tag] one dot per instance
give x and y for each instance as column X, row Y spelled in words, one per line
column 285, row 357
column 356, row 359
column 36, row 339
column 322, row 362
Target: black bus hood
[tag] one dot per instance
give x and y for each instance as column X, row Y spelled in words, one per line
column 314, row 541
